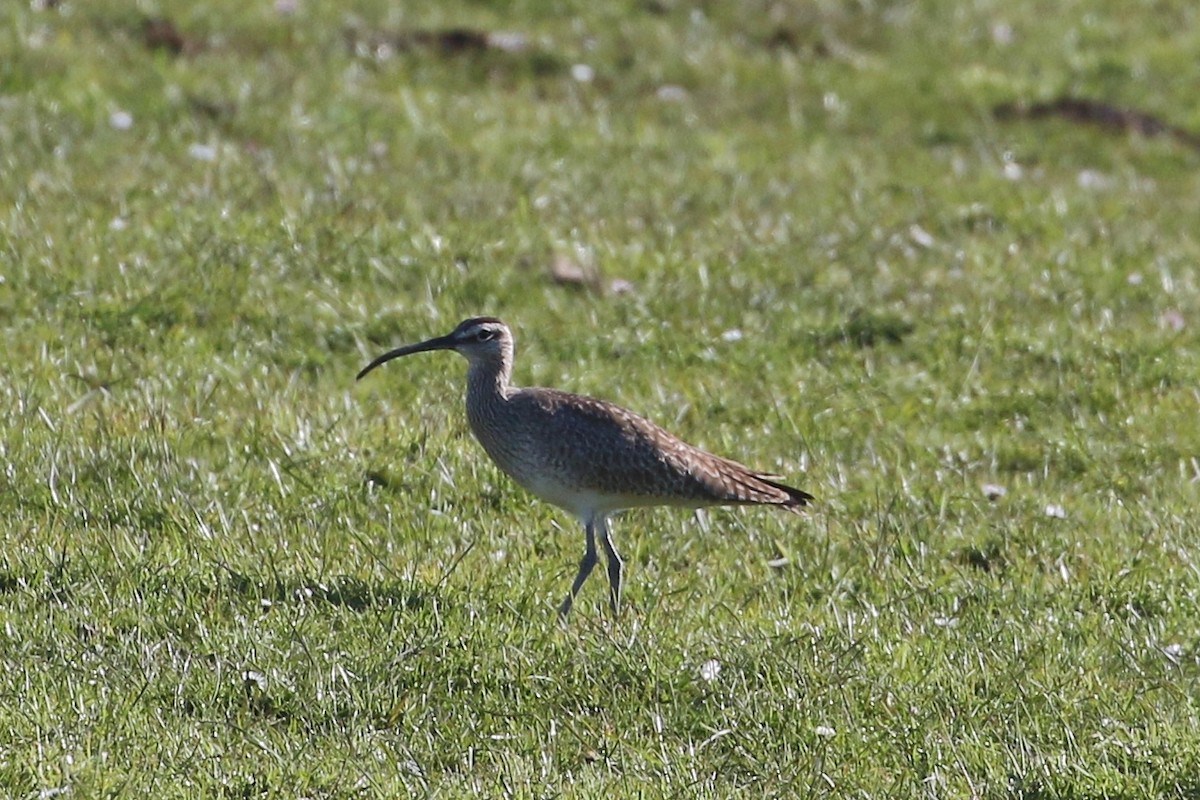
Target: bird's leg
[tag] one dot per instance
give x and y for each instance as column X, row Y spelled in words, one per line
column 585, row 568
column 614, row 567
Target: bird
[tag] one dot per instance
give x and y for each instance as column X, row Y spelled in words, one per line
column 587, row 456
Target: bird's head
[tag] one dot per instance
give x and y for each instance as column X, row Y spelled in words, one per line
column 481, row 340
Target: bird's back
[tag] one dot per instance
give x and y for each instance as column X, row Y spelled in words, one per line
column 587, row 455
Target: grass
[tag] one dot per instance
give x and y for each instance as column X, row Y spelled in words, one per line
column 226, row 570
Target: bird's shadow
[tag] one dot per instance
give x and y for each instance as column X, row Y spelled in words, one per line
column 343, row 591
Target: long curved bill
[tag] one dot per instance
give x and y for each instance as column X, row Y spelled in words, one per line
column 439, row 343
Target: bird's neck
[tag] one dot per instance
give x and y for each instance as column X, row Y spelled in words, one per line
column 488, row 382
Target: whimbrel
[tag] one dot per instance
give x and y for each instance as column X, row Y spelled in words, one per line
column 585, row 455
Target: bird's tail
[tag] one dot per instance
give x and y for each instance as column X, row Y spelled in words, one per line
column 796, row 498
column 750, row 487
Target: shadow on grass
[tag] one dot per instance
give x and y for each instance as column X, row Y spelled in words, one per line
column 489, row 51
column 1086, row 111
column 342, row 591
column 10, row 582
column 865, row 329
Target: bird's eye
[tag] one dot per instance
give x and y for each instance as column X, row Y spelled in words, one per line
column 484, row 335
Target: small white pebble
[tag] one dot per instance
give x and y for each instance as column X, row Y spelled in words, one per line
column 1056, row 511
column 732, row 335
column 824, row 731
column 253, row 677
column 203, row 152
column 121, row 120
column 920, row 236
column 1013, row 171
column 779, row 563
column 265, row 604
column 582, row 73
column 620, row 286
column 993, row 491
column 1092, row 179
column 118, row 224
column 509, row 41
column 1173, row 320
column 1134, row 279
column 710, row 669
column 671, row 93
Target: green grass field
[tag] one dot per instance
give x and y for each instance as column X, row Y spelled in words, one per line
column 807, row 241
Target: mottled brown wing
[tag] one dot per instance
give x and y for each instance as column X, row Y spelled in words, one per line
column 607, row 449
